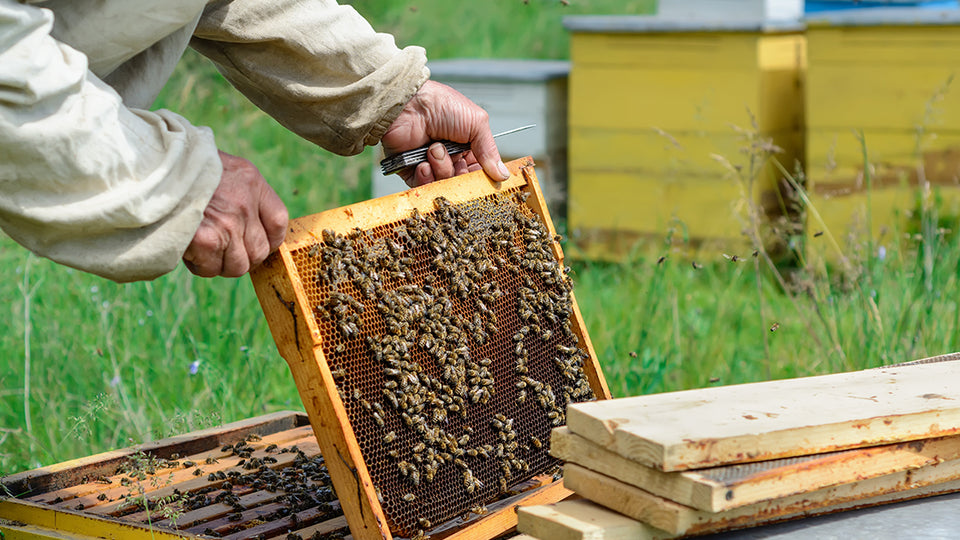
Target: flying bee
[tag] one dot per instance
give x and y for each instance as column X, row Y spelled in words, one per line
column 774, row 327
column 732, row 258
column 818, row 234
column 696, row 265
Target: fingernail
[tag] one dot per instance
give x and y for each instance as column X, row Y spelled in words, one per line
column 504, row 172
column 437, row 151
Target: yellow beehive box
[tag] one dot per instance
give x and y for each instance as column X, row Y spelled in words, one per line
column 881, row 91
column 655, row 107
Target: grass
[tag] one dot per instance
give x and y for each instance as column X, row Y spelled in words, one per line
column 111, row 365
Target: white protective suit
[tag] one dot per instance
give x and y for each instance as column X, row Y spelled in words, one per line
column 91, row 179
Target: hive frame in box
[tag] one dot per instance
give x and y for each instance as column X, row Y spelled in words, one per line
column 21, row 517
column 284, row 301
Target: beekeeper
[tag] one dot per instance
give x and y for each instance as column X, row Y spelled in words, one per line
column 92, row 179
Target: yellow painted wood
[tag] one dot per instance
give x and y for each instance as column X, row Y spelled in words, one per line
column 883, row 96
column 648, row 113
column 694, row 207
column 668, row 98
column 9, row 531
column 893, row 84
column 76, row 523
column 686, row 50
column 668, row 153
column 896, row 45
column 840, row 147
column 898, row 160
column 782, row 61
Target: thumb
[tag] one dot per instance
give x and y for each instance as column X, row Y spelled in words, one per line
column 485, row 151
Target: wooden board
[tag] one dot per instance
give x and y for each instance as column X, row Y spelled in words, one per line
column 762, row 421
column 678, row 519
column 297, row 332
column 582, row 520
column 732, row 486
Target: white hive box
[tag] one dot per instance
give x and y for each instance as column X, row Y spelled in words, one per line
column 725, row 10
column 515, row 93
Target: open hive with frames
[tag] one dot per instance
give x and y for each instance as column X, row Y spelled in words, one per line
column 435, row 341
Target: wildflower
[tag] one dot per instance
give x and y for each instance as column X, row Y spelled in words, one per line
column 115, row 381
column 195, row 366
column 881, row 253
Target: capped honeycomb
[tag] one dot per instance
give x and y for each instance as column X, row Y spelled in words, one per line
column 448, row 333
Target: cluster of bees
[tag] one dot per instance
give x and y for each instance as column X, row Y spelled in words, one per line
column 445, row 332
column 304, row 484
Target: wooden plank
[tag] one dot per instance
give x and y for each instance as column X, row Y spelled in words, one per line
column 733, row 486
column 675, row 518
column 582, row 520
column 768, row 420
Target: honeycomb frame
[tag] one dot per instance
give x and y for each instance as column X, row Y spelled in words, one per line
column 287, row 287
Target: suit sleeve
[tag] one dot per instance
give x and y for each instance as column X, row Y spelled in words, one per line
column 317, row 67
column 84, row 180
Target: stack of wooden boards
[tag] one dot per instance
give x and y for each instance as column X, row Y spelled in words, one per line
column 722, row 458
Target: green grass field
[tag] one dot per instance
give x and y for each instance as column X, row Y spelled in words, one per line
column 92, row 365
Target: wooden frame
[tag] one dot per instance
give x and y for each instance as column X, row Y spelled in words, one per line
column 281, row 292
column 732, row 486
column 677, row 519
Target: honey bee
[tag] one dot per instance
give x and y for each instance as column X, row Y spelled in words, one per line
column 469, row 482
column 339, row 373
column 536, row 442
column 409, row 497
column 389, row 437
column 424, row 522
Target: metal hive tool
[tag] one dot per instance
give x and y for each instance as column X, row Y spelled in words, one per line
column 435, row 342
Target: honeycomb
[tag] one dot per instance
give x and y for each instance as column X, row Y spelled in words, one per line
column 448, row 334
